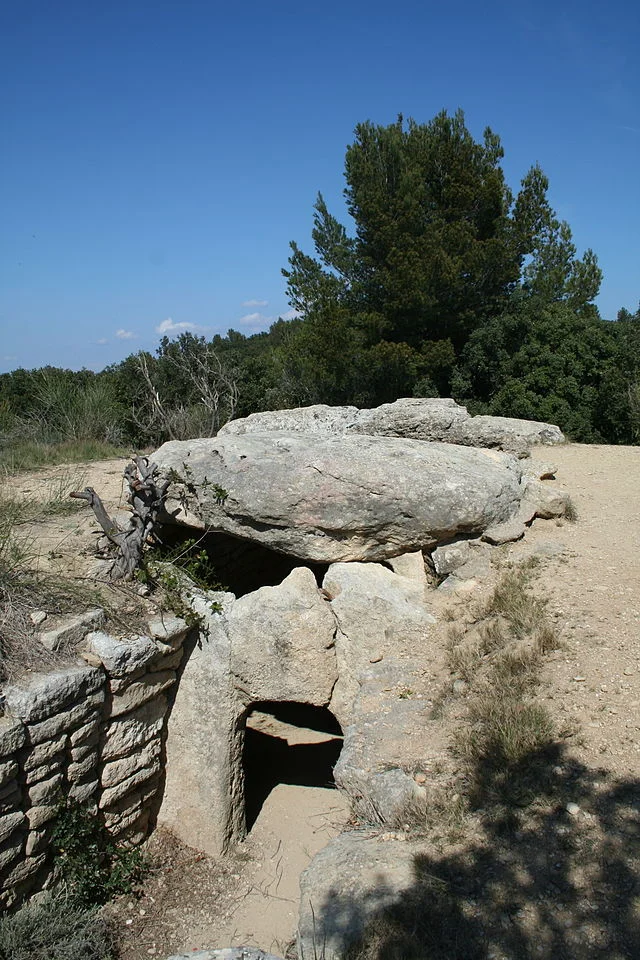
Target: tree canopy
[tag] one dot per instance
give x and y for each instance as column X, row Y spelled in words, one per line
column 440, row 246
column 445, row 282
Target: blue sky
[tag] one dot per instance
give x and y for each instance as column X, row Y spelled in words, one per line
column 158, row 157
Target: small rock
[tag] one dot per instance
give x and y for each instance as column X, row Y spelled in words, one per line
column 580, row 679
column 460, row 687
column 376, row 658
column 572, row 809
column 143, row 591
column 420, row 778
column 628, row 672
column 37, row 617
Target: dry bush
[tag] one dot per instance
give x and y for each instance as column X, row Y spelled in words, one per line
column 52, row 927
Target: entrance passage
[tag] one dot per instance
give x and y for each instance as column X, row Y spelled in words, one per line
column 287, row 743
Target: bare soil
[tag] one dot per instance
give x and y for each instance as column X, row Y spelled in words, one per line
column 558, row 879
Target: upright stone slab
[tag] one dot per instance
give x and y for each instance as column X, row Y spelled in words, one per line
column 282, row 642
column 202, row 802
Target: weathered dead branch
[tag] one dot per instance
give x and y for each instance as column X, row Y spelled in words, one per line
column 146, row 498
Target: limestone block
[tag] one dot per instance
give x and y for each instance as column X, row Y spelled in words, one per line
column 45, row 790
column 37, row 841
column 8, row 771
column 11, row 849
column 112, row 795
column 120, row 656
column 45, row 752
column 378, row 612
column 10, row 822
column 507, row 433
column 168, row 659
column 40, row 697
column 140, row 692
column 135, row 822
column 45, row 770
column 115, row 820
column 416, row 418
column 82, row 792
column 38, row 816
column 135, row 729
column 83, row 768
column 282, row 642
column 88, row 708
column 146, row 758
column 539, row 469
column 549, row 501
column 26, row 868
column 318, row 418
column 84, row 750
column 72, row 629
column 411, row 566
column 168, row 629
column 350, row 880
column 12, row 736
column 118, row 684
column 451, row 555
column 507, row 532
column 10, row 796
column 88, row 733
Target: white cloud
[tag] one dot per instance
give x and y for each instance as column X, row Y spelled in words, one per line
column 103, row 340
column 255, row 322
column 168, row 326
column 125, row 334
column 290, row 315
column 255, row 303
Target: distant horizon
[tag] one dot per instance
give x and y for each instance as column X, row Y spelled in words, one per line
column 161, row 157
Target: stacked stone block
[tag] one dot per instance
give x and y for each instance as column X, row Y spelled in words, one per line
column 94, row 732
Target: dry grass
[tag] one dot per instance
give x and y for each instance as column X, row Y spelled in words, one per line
column 571, row 512
column 52, row 927
column 507, row 731
column 24, row 588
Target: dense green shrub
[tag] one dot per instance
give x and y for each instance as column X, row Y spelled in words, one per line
column 90, row 865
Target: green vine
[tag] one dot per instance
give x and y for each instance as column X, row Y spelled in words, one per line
column 92, row 866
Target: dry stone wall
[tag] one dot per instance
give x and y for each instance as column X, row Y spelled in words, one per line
column 93, row 731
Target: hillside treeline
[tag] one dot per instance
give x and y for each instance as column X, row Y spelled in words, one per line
column 449, row 284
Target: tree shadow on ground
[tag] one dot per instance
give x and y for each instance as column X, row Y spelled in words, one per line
column 541, row 881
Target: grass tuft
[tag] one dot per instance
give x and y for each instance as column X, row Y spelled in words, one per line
column 570, row 511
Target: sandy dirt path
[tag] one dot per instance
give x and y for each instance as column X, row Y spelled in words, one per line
column 593, row 591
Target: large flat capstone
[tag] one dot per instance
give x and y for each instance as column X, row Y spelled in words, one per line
column 328, row 498
column 415, row 418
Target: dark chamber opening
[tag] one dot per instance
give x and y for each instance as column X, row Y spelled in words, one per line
column 293, row 743
column 237, row 565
